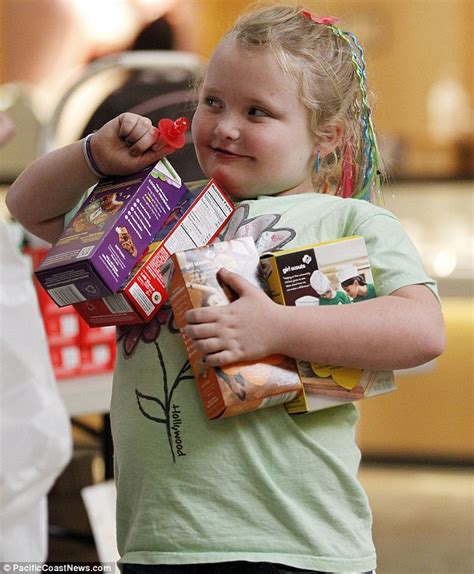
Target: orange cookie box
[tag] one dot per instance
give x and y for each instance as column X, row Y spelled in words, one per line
column 240, row 387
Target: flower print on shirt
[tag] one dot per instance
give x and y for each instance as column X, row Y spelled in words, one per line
column 130, row 336
column 157, row 407
column 261, row 228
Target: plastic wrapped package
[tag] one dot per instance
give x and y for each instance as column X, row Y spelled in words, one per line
column 35, row 432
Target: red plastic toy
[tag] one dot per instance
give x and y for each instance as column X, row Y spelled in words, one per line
column 171, row 134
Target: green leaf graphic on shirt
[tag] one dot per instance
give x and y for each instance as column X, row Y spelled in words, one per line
column 149, row 405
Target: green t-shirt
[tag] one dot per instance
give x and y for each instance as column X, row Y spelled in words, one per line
column 262, row 486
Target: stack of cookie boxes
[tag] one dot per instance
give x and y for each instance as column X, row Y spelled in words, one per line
column 104, row 247
column 75, row 349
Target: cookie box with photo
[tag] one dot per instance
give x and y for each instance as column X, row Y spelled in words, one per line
column 197, row 219
column 331, row 273
column 240, row 387
column 109, row 234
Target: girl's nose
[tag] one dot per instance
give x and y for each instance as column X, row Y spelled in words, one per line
column 227, row 128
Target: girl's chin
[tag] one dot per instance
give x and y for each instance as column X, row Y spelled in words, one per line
column 237, row 192
column 233, row 185
column 230, row 186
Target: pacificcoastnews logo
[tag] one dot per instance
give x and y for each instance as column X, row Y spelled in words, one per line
column 11, row 567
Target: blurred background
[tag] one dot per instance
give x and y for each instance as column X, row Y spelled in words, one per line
column 61, row 59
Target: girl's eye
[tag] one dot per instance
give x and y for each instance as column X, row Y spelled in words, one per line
column 258, row 113
column 210, row 101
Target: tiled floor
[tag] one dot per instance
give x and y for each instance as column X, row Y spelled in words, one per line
column 423, row 521
column 423, row 518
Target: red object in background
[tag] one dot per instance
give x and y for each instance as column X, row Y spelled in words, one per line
column 171, row 135
column 75, row 349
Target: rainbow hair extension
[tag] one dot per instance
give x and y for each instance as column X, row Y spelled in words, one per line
column 364, row 156
column 360, row 173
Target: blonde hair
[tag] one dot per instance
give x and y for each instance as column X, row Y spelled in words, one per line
column 329, row 69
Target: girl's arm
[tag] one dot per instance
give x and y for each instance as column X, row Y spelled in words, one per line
column 49, row 188
column 55, row 182
column 397, row 331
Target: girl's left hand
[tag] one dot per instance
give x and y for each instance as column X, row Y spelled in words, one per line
column 246, row 329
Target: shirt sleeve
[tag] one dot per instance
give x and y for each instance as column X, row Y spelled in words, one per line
column 394, row 260
column 68, row 217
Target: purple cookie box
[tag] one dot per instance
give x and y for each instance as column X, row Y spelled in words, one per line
column 88, row 260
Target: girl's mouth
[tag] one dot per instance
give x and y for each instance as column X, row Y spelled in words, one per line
column 226, row 154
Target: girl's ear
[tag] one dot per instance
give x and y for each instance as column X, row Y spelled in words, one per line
column 331, row 138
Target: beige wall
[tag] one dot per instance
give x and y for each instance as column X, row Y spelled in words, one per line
column 43, row 41
column 431, row 413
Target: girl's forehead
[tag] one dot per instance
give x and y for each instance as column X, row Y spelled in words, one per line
column 232, row 60
column 230, row 51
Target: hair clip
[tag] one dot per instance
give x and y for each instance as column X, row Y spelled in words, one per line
column 325, row 20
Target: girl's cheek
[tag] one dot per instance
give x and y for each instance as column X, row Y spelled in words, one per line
column 194, row 126
column 199, row 130
column 197, row 121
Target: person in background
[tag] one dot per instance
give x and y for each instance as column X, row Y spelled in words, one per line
column 155, row 94
column 35, row 433
column 284, row 125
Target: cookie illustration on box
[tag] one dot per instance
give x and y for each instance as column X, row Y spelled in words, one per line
column 250, row 380
column 200, row 267
column 331, row 381
column 110, row 204
column 97, row 213
column 209, row 296
column 126, row 241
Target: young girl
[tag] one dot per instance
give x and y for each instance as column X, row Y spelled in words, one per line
column 282, row 116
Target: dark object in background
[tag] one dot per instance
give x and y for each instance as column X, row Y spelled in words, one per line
column 156, row 95
column 464, row 150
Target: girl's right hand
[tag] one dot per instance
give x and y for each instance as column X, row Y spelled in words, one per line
column 126, row 144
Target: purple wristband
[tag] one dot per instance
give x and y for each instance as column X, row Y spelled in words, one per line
column 90, row 158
